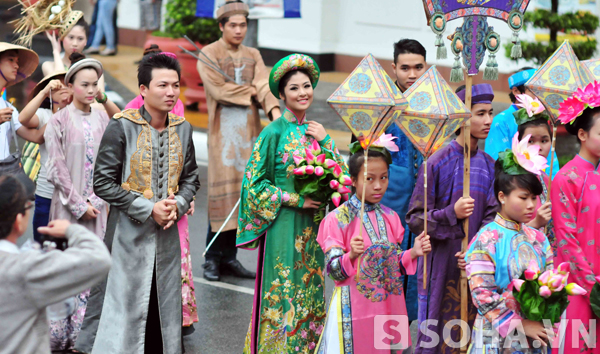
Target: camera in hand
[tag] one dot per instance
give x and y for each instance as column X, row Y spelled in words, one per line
column 50, row 243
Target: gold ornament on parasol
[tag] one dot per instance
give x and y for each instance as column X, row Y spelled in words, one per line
column 433, row 114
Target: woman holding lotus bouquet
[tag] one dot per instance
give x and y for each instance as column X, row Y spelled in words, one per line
column 506, row 250
column 289, row 301
column 576, row 212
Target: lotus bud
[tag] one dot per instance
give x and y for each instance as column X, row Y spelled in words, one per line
column 310, row 169
column 319, row 171
column 298, row 160
column 345, row 180
column 320, row 160
column 334, row 184
column 574, row 289
column 532, row 272
column 315, row 147
column 346, row 196
column 597, row 278
column 516, row 283
column 310, row 158
column 300, row 171
column 555, row 281
column 335, row 198
column 563, row 268
column 337, row 171
column 545, row 292
column 543, row 279
column 329, row 163
column 343, row 190
column 560, row 287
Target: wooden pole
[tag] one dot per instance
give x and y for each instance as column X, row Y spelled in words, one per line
column 425, row 220
column 551, row 165
column 362, row 206
column 464, row 288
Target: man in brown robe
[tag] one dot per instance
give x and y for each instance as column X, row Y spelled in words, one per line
column 234, row 125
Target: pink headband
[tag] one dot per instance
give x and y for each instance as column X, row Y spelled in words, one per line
column 169, row 54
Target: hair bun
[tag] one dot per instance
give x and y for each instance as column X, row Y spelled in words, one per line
column 152, row 49
column 75, row 57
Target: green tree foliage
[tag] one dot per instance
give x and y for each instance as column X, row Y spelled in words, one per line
column 579, row 23
column 181, row 20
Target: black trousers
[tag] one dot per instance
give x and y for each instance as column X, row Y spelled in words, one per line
column 223, row 249
column 153, row 341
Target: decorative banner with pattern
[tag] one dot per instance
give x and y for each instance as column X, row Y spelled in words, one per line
column 593, row 66
column 433, row 114
column 560, row 76
column 368, row 101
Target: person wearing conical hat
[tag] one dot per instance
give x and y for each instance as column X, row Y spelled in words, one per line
column 16, row 64
column 48, row 96
column 234, row 124
column 446, row 211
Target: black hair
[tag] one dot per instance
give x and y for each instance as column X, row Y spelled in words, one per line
column 521, row 88
column 534, row 123
column 13, row 197
column 152, row 49
column 151, row 62
column 408, row 46
column 585, row 121
column 224, row 20
column 286, row 78
column 355, row 162
column 86, row 28
column 505, row 183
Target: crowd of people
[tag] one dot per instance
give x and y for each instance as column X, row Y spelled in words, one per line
column 109, row 267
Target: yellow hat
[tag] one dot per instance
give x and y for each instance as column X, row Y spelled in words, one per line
column 70, row 22
column 28, row 61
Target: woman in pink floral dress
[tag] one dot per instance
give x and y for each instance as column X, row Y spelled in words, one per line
column 576, row 210
column 72, row 137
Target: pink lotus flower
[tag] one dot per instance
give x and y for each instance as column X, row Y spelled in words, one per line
column 516, row 283
column 532, row 105
column 337, row 171
column 570, row 109
column 532, row 272
column 386, row 141
column 563, row 268
column 298, row 159
column 555, row 281
column 545, row 292
column 320, row 160
column 345, row 180
column 574, row 289
column 300, row 171
column 310, row 169
column 334, row 184
column 319, row 171
column 343, row 190
column 329, row 163
column 528, row 156
column 335, row 198
column 589, row 95
column 597, row 278
column 560, row 286
column 315, row 147
column 310, row 158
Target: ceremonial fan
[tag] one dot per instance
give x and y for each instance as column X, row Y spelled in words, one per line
column 368, row 101
column 472, row 39
column 433, row 114
column 560, row 76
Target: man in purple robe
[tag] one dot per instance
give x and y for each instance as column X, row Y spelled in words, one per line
column 439, row 303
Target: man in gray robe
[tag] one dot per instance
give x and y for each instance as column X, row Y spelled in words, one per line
column 146, row 170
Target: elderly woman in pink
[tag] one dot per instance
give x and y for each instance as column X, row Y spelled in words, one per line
column 190, row 313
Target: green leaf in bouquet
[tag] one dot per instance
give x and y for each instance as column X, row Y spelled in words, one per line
column 595, row 299
column 309, row 188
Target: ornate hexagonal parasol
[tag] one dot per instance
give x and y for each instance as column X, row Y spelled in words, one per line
column 593, row 66
column 368, row 101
